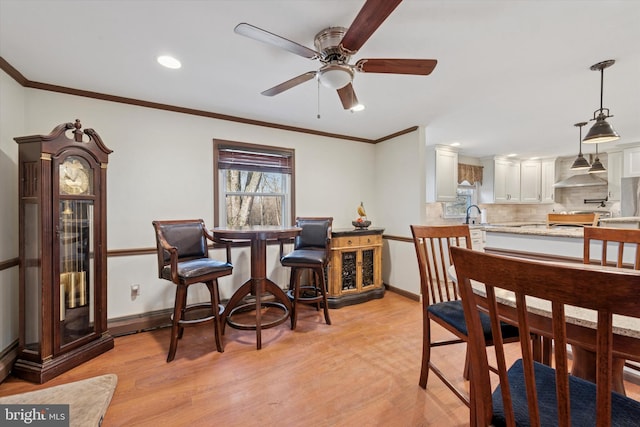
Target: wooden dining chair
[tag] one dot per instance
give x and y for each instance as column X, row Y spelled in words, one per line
column 441, row 299
column 530, row 393
column 183, row 258
column 624, row 246
column 620, row 238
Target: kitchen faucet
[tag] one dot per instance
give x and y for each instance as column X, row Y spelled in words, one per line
column 466, row 221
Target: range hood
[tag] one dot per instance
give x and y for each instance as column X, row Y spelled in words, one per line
column 582, row 180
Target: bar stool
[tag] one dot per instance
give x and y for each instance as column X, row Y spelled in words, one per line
column 311, row 250
column 183, row 258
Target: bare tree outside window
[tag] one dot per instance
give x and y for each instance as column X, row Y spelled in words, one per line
column 255, row 184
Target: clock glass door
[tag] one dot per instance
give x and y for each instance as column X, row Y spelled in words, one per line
column 76, row 266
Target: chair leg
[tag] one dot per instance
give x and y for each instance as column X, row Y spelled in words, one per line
column 178, row 311
column 467, row 364
column 295, row 288
column 323, row 290
column 215, row 307
column 426, row 350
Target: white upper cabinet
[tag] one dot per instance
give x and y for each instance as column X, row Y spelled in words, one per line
column 501, row 181
column 530, row 181
column 442, row 174
column 515, row 181
column 614, row 174
column 547, row 179
column 632, row 161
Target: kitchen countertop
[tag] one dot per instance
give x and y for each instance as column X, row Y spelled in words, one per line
column 533, row 229
column 621, row 219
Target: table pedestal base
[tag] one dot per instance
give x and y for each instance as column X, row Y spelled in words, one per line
column 584, row 366
column 236, row 306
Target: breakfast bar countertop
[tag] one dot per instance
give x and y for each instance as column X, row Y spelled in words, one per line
column 532, row 229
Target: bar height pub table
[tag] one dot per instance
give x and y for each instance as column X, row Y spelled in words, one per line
column 258, row 284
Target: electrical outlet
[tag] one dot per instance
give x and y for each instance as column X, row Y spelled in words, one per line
column 135, row 291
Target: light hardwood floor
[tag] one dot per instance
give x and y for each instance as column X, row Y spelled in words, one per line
column 362, row 370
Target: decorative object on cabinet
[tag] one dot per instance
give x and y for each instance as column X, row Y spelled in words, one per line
column 361, row 222
column 601, row 131
column 356, row 267
column 63, row 251
column 580, row 162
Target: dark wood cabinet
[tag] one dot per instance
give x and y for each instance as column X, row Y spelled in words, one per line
column 63, row 251
column 356, row 267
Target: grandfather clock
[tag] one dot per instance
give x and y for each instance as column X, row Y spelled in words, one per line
column 63, row 251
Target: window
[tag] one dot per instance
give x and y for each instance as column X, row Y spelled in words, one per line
column 255, row 184
column 466, row 196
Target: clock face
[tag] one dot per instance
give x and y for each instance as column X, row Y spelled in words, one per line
column 74, row 177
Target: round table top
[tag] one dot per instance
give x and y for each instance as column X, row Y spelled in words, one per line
column 261, row 232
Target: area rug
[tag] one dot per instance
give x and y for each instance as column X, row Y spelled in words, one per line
column 88, row 399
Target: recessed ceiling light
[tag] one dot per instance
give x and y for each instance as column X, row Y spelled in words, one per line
column 511, row 155
column 169, row 62
column 455, row 144
column 358, row 107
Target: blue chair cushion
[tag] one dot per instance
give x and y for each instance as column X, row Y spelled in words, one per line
column 453, row 313
column 196, row 268
column 624, row 411
column 304, row 257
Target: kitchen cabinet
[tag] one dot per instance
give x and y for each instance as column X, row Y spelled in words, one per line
column 631, row 161
column 356, row 267
column 442, row 174
column 530, row 181
column 547, row 179
column 614, row 174
column 477, row 239
column 501, row 181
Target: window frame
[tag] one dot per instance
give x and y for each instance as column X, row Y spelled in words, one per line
column 218, row 192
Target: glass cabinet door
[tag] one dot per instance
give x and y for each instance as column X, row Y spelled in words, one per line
column 76, row 242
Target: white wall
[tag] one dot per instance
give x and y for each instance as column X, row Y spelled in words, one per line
column 12, row 109
column 400, row 196
column 162, row 167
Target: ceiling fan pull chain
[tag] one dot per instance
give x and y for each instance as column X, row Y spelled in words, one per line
column 318, row 116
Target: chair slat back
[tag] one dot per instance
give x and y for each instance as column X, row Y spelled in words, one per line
column 625, row 239
column 607, row 292
column 432, row 244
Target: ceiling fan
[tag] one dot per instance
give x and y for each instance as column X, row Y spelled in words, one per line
column 334, row 48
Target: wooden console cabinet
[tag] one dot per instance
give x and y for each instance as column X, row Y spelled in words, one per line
column 356, row 267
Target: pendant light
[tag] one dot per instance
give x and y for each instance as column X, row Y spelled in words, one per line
column 580, row 162
column 597, row 166
column 601, row 131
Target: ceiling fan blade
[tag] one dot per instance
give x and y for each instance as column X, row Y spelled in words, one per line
column 348, row 97
column 422, row 67
column 370, row 17
column 264, row 36
column 289, row 83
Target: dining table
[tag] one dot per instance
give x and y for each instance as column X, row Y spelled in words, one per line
column 251, row 295
column 581, row 328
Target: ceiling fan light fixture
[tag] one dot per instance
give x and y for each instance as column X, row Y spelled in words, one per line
column 601, row 131
column 334, row 76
